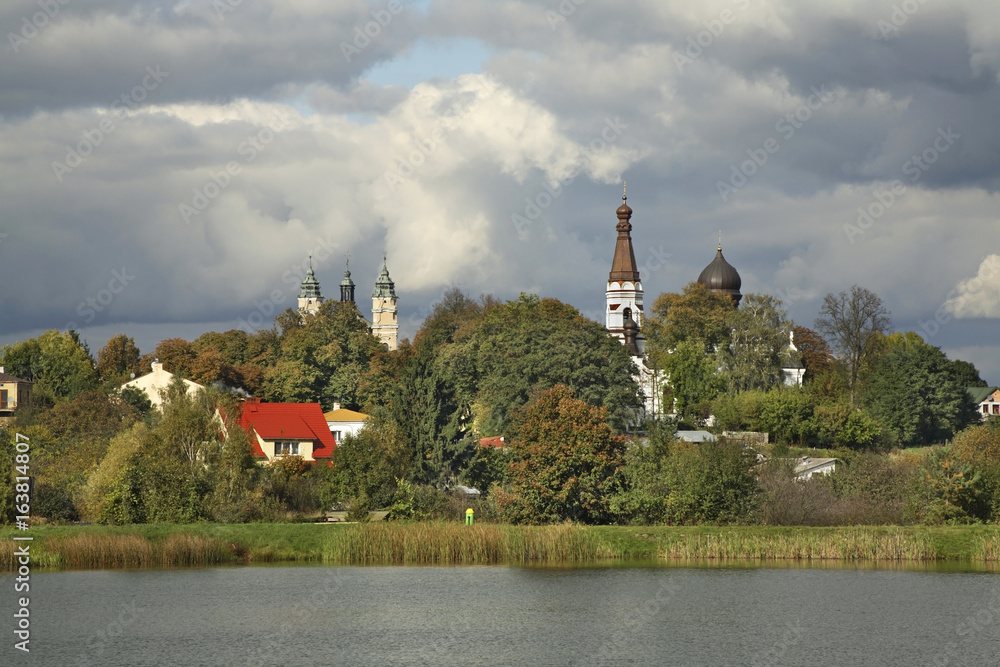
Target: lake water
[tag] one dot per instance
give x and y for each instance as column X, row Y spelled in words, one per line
column 508, row 616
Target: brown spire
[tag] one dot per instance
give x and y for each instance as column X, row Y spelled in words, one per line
column 623, row 267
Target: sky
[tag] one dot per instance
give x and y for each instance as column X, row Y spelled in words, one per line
column 167, row 168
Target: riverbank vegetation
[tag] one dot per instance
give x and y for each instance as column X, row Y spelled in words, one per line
column 452, row 543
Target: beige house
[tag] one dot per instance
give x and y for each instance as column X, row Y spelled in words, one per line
column 157, row 382
column 13, row 392
column 343, row 422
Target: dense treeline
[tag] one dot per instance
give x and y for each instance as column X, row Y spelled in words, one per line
column 552, row 383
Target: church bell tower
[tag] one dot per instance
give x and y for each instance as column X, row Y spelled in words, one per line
column 624, row 314
column 385, row 324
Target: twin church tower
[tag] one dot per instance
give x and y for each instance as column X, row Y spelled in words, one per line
column 385, row 315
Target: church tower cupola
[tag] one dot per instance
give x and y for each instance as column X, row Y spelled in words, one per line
column 624, row 291
column 347, row 285
column 720, row 276
column 309, row 294
column 385, row 322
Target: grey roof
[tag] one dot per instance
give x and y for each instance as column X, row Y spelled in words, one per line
column 310, row 286
column 384, row 287
column 806, row 463
column 7, row 377
column 696, row 436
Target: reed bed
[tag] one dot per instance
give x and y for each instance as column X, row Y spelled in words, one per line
column 116, row 551
column 843, row 545
column 987, row 548
column 456, row 544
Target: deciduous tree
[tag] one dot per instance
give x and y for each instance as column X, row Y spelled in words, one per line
column 852, row 323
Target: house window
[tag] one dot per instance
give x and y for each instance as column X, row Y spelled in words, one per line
column 336, row 436
column 996, row 409
column 286, row 449
column 986, row 409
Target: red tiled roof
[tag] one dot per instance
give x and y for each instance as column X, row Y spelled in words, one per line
column 494, row 441
column 295, row 421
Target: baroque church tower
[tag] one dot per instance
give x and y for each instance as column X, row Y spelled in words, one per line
column 385, row 324
column 309, row 294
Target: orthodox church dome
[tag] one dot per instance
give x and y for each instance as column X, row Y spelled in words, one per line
column 720, row 276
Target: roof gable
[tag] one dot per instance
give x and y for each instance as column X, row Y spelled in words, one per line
column 292, row 421
column 980, row 394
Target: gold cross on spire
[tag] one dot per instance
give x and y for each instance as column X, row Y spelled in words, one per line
column 720, row 239
column 624, row 190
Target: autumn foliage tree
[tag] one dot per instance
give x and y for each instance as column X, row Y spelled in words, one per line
column 566, row 462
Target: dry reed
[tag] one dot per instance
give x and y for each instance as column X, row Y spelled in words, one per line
column 845, row 545
column 451, row 543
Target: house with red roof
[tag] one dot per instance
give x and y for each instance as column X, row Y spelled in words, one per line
column 287, row 429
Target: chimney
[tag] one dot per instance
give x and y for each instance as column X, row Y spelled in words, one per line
column 253, row 399
column 2, row 369
column 336, row 405
column 157, row 366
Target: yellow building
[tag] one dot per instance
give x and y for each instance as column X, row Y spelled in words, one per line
column 13, row 392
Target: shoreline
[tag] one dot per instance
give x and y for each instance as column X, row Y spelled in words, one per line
column 82, row 547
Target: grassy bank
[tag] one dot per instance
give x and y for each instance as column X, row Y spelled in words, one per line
column 167, row 545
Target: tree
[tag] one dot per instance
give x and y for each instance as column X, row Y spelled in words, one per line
column 697, row 314
column 852, row 323
column 966, row 374
column 176, row 354
column 668, row 481
column 566, row 462
column 118, row 360
column 187, row 426
column 56, row 362
column 758, row 337
column 694, row 379
column 816, row 356
column 323, row 358
column 912, row 391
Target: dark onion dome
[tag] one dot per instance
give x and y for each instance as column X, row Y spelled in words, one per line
column 720, row 276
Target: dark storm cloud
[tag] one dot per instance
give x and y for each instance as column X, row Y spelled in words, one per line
column 561, row 72
column 90, row 53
